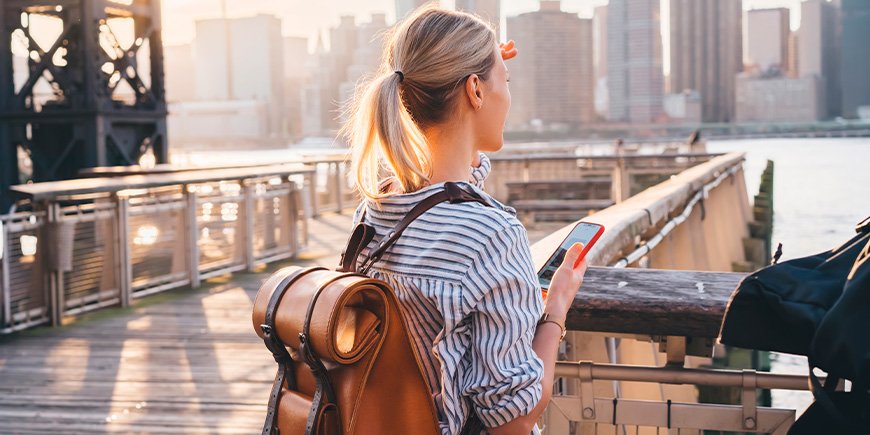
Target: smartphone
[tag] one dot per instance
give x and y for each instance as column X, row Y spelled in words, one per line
column 586, row 233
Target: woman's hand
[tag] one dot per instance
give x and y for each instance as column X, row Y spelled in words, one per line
column 508, row 51
column 566, row 282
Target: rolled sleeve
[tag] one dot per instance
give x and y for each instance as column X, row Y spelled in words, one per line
column 480, row 172
column 503, row 380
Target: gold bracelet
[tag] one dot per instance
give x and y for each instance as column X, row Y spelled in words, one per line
column 546, row 319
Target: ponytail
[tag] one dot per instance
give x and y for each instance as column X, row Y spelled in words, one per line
column 426, row 58
column 382, row 130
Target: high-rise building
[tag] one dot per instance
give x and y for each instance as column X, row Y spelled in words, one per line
column 777, row 98
column 489, row 10
column 707, row 53
column 819, row 50
column 855, row 55
column 599, row 56
column 229, row 52
column 634, row 61
column 179, row 74
column 354, row 52
column 792, row 59
column 552, row 80
column 405, row 7
column 295, row 75
column 767, row 32
column 366, row 55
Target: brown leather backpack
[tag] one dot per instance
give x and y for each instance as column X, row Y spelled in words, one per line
column 346, row 364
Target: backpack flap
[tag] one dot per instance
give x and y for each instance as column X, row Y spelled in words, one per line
column 780, row 307
column 841, row 346
column 355, row 331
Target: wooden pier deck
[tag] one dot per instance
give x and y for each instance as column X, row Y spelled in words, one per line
column 185, row 361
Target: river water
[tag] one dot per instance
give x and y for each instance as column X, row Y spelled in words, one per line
column 821, row 189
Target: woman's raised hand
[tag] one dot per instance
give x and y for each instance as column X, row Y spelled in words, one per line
column 508, row 50
column 566, row 281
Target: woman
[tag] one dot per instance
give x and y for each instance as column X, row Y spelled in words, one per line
column 462, row 272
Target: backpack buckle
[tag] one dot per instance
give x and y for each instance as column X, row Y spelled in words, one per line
column 267, row 330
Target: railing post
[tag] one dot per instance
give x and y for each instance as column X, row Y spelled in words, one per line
column 5, row 252
column 339, row 194
column 620, row 180
column 311, row 181
column 248, row 222
column 54, row 275
column 125, row 272
column 293, row 212
column 192, row 236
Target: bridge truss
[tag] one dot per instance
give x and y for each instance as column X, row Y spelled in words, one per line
column 81, row 85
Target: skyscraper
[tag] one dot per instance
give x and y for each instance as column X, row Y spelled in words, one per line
column 819, row 50
column 405, row 7
column 552, row 80
column 707, row 53
column 599, row 38
column 634, row 61
column 855, row 55
column 767, row 32
column 225, row 63
column 489, row 10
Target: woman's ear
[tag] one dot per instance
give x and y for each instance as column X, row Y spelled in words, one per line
column 474, row 91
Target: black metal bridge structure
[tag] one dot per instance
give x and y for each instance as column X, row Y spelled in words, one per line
column 81, row 86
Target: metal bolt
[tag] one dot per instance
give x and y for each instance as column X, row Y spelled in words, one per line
column 749, row 423
column 588, row 413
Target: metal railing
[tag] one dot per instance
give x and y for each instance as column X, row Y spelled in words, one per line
column 610, row 414
column 85, row 246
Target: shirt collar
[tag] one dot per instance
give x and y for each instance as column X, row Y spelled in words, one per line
column 395, row 206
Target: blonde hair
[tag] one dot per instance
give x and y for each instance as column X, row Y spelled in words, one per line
column 434, row 50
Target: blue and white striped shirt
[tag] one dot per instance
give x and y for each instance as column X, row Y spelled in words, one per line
column 464, row 276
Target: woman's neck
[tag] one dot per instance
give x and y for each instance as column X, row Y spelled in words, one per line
column 452, row 150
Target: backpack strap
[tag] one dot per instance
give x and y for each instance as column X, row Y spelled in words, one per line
column 451, row 193
column 285, row 374
column 324, row 394
column 361, row 237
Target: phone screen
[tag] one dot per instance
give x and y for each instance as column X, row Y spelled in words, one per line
column 585, row 233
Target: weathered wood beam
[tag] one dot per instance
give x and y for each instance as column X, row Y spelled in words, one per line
column 652, row 302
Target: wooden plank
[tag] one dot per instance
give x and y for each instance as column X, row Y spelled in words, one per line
column 652, row 302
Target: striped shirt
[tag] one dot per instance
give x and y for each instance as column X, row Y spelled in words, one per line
column 464, row 276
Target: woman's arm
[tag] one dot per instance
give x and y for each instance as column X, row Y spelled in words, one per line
column 565, row 284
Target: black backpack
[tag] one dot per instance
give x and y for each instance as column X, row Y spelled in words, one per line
column 818, row 306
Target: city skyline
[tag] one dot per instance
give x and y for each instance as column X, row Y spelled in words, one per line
column 307, row 20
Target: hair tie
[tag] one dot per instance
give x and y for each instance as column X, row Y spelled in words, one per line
column 401, row 76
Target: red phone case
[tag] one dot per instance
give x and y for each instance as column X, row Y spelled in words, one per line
column 585, row 248
column 591, row 241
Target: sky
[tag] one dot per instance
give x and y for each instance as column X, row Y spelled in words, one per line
column 309, row 17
